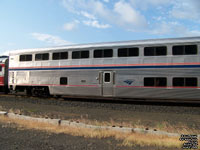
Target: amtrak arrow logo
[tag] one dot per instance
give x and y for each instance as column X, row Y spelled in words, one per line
column 129, row 82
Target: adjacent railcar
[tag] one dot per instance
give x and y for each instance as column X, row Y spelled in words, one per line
column 152, row 69
column 4, row 74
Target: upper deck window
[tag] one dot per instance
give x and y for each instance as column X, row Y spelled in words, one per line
column 184, row 50
column 128, row 52
column 25, row 58
column 60, row 55
column 155, row 51
column 100, row 53
column 80, row 54
column 43, row 56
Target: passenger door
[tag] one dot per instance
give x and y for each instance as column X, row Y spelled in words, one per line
column 107, row 83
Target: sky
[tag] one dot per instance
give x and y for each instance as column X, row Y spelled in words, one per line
column 45, row 23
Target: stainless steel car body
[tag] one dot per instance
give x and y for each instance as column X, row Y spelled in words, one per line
column 86, row 77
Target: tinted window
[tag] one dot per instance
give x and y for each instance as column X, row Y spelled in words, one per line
column 180, row 81
column 191, row 49
column 60, row 55
column 22, row 58
column 151, row 81
column 64, row 55
column 155, row 51
column 98, row 53
column 128, row 52
column 190, row 81
column 122, row 52
column 76, row 55
column 149, row 51
column 148, row 81
column 178, row 50
column 103, row 53
column 80, row 54
column 160, row 51
column 63, row 81
column 107, row 77
column 56, row 56
column 184, row 50
column 44, row 56
column 25, row 58
column 84, row 54
column 38, row 57
column 108, row 53
column 0, row 68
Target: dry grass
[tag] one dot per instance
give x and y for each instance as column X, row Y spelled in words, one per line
column 128, row 139
column 162, row 126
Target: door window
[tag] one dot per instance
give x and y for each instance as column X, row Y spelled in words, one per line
column 107, row 77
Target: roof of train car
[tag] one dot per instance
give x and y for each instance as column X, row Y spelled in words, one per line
column 111, row 44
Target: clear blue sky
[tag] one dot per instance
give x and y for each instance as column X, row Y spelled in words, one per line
column 45, row 23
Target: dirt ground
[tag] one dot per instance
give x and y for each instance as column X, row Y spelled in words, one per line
column 13, row 138
column 145, row 115
column 169, row 118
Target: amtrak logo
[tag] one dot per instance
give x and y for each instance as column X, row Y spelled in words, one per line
column 129, row 82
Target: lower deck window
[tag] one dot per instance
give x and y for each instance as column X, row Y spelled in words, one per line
column 155, row 82
column 63, row 81
column 181, row 81
column 0, row 68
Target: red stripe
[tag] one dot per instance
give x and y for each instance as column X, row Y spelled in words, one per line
column 56, row 85
column 119, row 86
column 152, row 64
column 160, row 87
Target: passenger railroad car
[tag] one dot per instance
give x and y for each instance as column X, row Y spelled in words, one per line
column 152, row 69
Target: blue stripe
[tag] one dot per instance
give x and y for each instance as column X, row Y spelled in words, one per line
column 108, row 67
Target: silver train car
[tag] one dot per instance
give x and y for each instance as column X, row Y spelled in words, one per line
column 143, row 69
